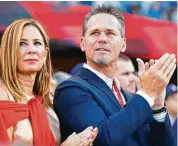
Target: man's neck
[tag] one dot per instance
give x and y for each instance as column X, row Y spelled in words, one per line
column 26, row 83
column 107, row 70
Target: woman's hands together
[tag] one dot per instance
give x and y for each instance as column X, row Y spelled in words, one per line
column 84, row 138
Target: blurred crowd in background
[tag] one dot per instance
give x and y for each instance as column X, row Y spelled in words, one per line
column 165, row 10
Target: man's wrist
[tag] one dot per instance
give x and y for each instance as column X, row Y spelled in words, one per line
column 157, row 106
column 152, row 95
column 159, row 110
column 149, row 99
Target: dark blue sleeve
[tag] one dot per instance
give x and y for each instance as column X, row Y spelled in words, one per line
column 161, row 133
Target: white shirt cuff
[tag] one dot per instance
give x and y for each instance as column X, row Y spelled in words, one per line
column 160, row 117
column 146, row 97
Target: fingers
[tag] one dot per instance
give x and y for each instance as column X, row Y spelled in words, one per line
column 84, row 142
column 171, row 72
column 85, row 133
column 168, row 62
column 147, row 66
column 170, row 67
column 151, row 62
column 158, row 65
column 87, row 140
column 74, row 133
column 94, row 133
column 137, row 82
column 157, row 75
column 84, row 138
column 89, row 128
column 141, row 67
column 95, row 130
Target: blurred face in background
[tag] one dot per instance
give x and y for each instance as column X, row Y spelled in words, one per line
column 32, row 50
column 171, row 104
column 125, row 70
column 102, row 41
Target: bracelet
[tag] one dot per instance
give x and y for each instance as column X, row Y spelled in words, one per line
column 163, row 109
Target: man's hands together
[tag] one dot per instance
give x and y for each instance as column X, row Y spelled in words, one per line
column 154, row 76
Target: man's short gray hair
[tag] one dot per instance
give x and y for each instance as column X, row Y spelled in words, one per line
column 111, row 10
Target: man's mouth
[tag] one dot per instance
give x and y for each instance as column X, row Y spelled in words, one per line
column 102, row 50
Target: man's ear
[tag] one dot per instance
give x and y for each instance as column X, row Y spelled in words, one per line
column 123, row 45
column 82, row 44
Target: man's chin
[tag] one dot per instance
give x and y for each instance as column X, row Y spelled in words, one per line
column 133, row 92
column 102, row 62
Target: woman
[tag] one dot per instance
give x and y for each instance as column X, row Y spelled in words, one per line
column 25, row 108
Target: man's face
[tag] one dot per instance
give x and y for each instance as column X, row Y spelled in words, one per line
column 102, row 42
column 125, row 70
column 171, row 104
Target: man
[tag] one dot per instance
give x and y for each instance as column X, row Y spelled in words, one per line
column 125, row 74
column 92, row 96
column 171, row 104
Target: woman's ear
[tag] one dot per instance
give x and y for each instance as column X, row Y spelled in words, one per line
column 123, row 45
column 46, row 52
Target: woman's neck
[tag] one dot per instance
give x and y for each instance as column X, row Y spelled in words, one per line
column 26, row 83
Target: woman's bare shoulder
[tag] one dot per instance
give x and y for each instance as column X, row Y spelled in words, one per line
column 3, row 92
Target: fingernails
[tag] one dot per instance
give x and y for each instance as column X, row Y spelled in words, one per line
column 90, row 127
column 166, row 55
column 173, row 55
column 137, row 59
column 95, row 129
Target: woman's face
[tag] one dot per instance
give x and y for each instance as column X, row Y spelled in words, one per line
column 32, row 51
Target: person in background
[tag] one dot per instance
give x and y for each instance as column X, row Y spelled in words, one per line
column 61, row 76
column 171, row 104
column 26, row 112
column 57, row 79
column 125, row 74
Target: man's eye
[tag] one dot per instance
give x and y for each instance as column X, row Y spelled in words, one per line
column 110, row 33
column 94, row 33
column 126, row 74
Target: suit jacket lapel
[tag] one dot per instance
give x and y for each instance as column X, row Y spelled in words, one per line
column 96, row 81
column 127, row 96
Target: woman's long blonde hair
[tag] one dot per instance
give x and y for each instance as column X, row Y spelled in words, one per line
column 9, row 52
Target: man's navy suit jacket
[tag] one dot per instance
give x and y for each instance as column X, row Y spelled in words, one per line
column 86, row 100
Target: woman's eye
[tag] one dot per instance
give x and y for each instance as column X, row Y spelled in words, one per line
column 37, row 43
column 23, row 43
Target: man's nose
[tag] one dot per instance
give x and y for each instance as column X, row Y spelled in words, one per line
column 131, row 77
column 102, row 38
